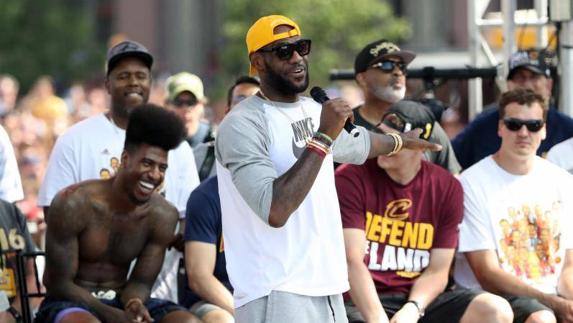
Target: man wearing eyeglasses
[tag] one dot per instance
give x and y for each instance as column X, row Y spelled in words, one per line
column 281, row 222
column 528, row 69
column 185, row 97
column 515, row 238
column 380, row 71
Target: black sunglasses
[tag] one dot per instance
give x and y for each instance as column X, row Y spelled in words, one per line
column 284, row 51
column 514, row 124
column 389, row 66
column 184, row 103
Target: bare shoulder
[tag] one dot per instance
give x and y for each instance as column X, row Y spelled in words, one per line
column 164, row 215
column 71, row 206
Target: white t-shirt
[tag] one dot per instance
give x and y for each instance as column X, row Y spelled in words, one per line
column 525, row 218
column 255, row 144
column 562, row 155
column 91, row 149
column 10, row 183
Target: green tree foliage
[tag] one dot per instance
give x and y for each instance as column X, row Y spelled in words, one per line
column 338, row 29
column 47, row 37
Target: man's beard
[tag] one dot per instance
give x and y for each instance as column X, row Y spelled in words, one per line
column 123, row 109
column 389, row 93
column 283, row 85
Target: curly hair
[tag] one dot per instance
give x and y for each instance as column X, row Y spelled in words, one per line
column 153, row 125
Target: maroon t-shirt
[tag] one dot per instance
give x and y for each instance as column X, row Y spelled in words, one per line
column 402, row 223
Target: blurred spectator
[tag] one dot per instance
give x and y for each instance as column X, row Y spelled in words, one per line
column 186, row 98
column 243, row 87
column 98, row 100
column 158, row 92
column 14, row 236
column 77, row 103
column 9, row 87
column 44, row 104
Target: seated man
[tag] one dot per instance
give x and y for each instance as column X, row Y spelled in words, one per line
column 97, row 228
column 406, row 211
column 210, row 297
column 14, row 232
column 514, row 236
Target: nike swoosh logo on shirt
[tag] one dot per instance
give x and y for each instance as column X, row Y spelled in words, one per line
column 296, row 150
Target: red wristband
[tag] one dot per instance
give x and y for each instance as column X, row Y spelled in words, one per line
column 316, row 150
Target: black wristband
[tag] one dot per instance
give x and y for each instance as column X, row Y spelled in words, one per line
column 420, row 308
column 15, row 314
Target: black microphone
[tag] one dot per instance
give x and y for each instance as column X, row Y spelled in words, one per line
column 320, row 96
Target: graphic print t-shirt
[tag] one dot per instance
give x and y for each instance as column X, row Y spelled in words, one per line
column 402, row 223
column 524, row 218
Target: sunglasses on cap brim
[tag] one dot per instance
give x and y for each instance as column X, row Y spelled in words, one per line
column 396, row 122
column 514, row 124
column 284, row 51
column 388, row 66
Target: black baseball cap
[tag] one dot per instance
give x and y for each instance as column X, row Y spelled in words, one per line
column 406, row 115
column 128, row 48
column 378, row 50
column 535, row 60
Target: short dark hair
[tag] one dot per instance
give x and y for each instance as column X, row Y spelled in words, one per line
column 244, row 79
column 153, row 125
column 523, row 97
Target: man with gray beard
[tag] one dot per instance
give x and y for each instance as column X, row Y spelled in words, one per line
column 380, row 71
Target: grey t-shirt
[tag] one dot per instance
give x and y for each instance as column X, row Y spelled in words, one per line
column 247, row 145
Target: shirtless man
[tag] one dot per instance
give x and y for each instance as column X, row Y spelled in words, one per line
column 97, row 228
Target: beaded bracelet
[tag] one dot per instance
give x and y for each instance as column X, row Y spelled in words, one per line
column 398, row 143
column 324, row 138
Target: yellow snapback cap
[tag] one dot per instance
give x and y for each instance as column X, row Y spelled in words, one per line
column 262, row 33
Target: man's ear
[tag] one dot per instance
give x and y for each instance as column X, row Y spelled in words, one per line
column 360, row 80
column 499, row 125
column 107, row 85
column 124, row 158
column 258, row 61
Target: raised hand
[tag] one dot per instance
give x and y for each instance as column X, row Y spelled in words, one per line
column 333, row 117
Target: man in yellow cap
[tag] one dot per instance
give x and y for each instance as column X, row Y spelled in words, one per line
column 281, row 221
